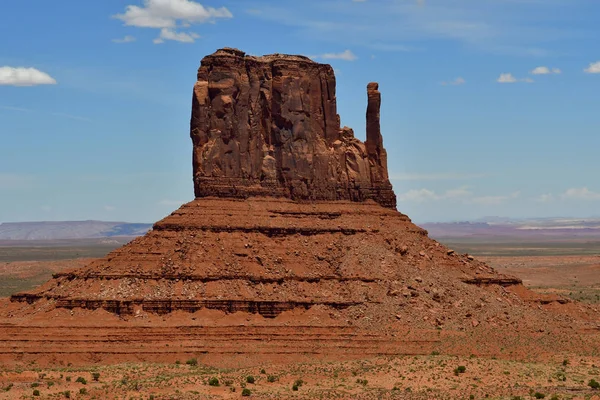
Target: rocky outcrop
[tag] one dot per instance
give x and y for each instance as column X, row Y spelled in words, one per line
column 268, row 126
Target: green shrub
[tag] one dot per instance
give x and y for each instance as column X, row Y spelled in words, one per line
column 262, row 371
column 67, row 394
column 34, row 385
column 192, row 361
column 461, row 369
column 250, row 379
column 594, row 384
column 297, row 384
column 68, row 379
column 246, row 392
column 271, row 378
column 96, row 376
column 539, row 395
column 213, row 381
column 83, row 391
column 36, row 392
column 81, row 380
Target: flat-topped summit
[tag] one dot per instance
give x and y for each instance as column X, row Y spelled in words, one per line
column 268, row 126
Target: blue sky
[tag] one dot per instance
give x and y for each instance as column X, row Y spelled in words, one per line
column 490, row 107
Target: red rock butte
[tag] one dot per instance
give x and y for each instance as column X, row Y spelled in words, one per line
column 268, row 126
column 292, row 250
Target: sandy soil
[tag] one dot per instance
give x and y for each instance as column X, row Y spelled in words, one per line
column 406, row 377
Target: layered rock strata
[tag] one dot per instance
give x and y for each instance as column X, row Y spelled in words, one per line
column 269, row 126
column 292, row 248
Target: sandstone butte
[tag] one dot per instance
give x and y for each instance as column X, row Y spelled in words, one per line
column 291, row 251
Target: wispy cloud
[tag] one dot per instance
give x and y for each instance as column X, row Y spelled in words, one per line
column 495, row 200
column 346, row 55
column 461, row 194
column 55, row 114
column 167, row 15
column 495, row 26
column 424, row 195
column 510, row 78
column 21, row 76
column 441, row 176
column 456, row 82
column 593, row 68
column 126, row 39
column 581, row 194
column 10, row 108
column 545, row 71
column 544, row 198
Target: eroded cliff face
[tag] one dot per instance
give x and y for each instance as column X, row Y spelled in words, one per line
column 268, row 126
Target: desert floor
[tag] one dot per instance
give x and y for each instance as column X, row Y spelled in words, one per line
column 434, row 376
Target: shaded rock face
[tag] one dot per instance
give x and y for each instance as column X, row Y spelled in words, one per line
column 268, row 126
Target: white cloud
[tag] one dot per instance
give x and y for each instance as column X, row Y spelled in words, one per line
column 507, row 78
column 594, row 68
column 510, row 78
column 346, row 55
column 126, row 39
column 166, row 13
column 24, row 77
column 456, row 82
column 581, row 194
column 169, row 34
column 545, row 71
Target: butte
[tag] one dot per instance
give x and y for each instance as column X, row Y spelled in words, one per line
column 292, row 250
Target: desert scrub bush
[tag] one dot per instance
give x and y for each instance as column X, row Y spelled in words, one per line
column 214, row 381
column 81, row 380
column 539, row 395
column 67, row 394
column 96, row 376
column 461, row 369
column 297, row 384
column 363, row 382
column 83, row 391
column 68, row 379
column 36, row 392
column 594, row 384
column 262, row 371
column 246, row 392
column 192, row 361
column 271, row 378
column 250, row 379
